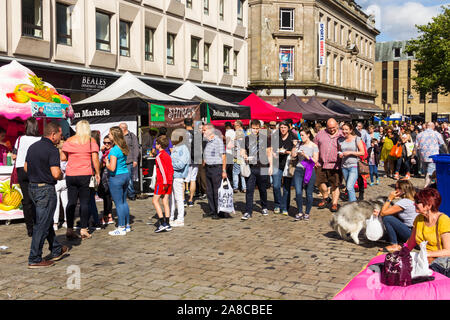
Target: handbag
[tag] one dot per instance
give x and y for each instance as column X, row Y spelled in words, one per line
column 397, row 268
column 93, row 181
column 245, row 169
column 396, row 151
column 363, row 166
column 14, row 179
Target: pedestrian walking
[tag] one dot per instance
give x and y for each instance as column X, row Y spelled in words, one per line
column 191, row 178
column 306, row 155
column 81, row 153
column 19, row 154
column 374, row 156
column 214, row 159
column 237, row 160
column 180, row 162
column 257, row 152
column 103, row 188
column 328, row 168
column 42, row 167
column 164, row 181
column 118, row 179
column 132, row 158
column 62, row 196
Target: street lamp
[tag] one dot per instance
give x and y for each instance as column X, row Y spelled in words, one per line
column 285, row 76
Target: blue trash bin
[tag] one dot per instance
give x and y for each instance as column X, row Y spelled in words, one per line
column 443, row 180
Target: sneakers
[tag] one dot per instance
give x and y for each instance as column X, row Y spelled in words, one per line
column 128, row 228
column 378, row 182
column 397, row 176
column 55, row 226
column 306, row 217
column 407, row 176
column 276, row 210
column 118, row 232
column 371, row 184
column 285, row 213
column 299, row 217
column 163, row 227
column 177, row 223
column 185, row 204
column 246, row 216
column 190, row 203
column 42, row 264
column 265, row 212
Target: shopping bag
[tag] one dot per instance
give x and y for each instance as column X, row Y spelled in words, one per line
column 225, row 198
column 396, row 151
column 245, row 169
column 374, row 228
column 286, row 171
column 420, row 267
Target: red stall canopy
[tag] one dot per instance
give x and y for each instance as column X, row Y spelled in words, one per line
column 262, row 110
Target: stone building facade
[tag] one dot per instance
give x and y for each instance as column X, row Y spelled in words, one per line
column 394, row 70
column 163, row 42
column 285, row 34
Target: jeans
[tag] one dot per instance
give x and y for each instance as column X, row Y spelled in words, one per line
column 44, row 199
column 396, row 229
column 441, row 265
column 29, row 211
column 93, row 211
column 256, row 179
column 236, row 174
column 118, row 187
column 298, row 183
column 78, row 188
column 282, row 198
column 62, row 199
column 350, row 177
column 177, row 197
column 130, row 187
column 373, row 171
column 407, row 163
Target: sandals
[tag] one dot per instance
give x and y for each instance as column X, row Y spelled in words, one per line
column 390, row 249
column 334, row 208
column 85, row 234
column 323, row 204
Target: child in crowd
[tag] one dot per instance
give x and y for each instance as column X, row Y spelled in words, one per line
column 374, row 157
column 164, row 181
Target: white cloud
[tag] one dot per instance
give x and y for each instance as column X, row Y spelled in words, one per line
column 397, row 22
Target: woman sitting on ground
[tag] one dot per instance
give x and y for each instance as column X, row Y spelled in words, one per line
column 398, row 219
column 434, row 227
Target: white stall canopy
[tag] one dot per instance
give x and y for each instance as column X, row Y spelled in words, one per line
column 128, row 86
column 189, row 91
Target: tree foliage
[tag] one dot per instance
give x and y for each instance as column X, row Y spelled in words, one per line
column 432, row 51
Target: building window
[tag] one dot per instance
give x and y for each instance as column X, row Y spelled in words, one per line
column 103, row 31
column 384, row 97
column 32, row 18
column 395, row 97
column 226, row 59
column 221, row 9
column 206, row 7
column 149, row 34
column 206, row 56
column 342, row 35
column 397, row 52
column 328, row 67
column 336, row 32
column 235, row 63
column 170, row 49
column 341, row 72
column 434, row 97
column 395, row 73
column 195, row 52
column 287, row 19
column 335, row 70
column 124, row 34
column 287, row 61
column 384, row 74
column 422, row 97
column 240, row 11
column 63, row 24
column 329, row 28
column 189, row 4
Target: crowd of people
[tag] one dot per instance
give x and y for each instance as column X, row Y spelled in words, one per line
column 57, row 172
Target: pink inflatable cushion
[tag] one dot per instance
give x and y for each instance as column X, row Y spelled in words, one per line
column 367, row 286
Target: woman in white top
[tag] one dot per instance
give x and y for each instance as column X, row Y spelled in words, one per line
column 19, row 153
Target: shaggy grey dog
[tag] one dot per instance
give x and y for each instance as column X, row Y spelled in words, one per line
column 351, row 218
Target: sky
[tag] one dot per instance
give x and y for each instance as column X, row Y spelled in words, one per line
column 396, row 19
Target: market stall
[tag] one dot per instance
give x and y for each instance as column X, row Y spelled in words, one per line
column 22, row 95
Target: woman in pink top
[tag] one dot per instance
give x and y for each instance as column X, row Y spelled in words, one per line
column 81, row 154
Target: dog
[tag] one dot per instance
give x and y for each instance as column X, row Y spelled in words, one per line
column 351, row 218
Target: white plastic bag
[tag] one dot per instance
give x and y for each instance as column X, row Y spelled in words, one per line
column 374, row 228
column 245, row 170
column 420, row 267
column 225, row 199
column 286, row 172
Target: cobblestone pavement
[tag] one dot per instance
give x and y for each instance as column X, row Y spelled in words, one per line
column 266, row 257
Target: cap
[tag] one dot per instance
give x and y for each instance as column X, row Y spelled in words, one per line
column 273, row 123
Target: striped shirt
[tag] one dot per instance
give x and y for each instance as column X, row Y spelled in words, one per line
column 214, row 150
column 328, row 149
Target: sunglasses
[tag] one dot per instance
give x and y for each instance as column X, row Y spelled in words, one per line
column 104, row 142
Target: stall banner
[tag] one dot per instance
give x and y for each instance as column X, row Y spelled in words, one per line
column 228, row 112
column 171, row 116
column 49, row 110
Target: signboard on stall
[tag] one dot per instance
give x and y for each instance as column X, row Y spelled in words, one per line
column 322, row 52
column 171, row 116
column 49, row 110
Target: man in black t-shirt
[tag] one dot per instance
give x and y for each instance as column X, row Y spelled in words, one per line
column 258, row 154
column 285, row 138
column 191, row 179
column 42, row 165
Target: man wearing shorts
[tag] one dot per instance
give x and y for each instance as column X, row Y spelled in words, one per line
column 163, row 187
column 328, row 170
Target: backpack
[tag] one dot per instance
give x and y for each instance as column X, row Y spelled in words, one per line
column 397, row 268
